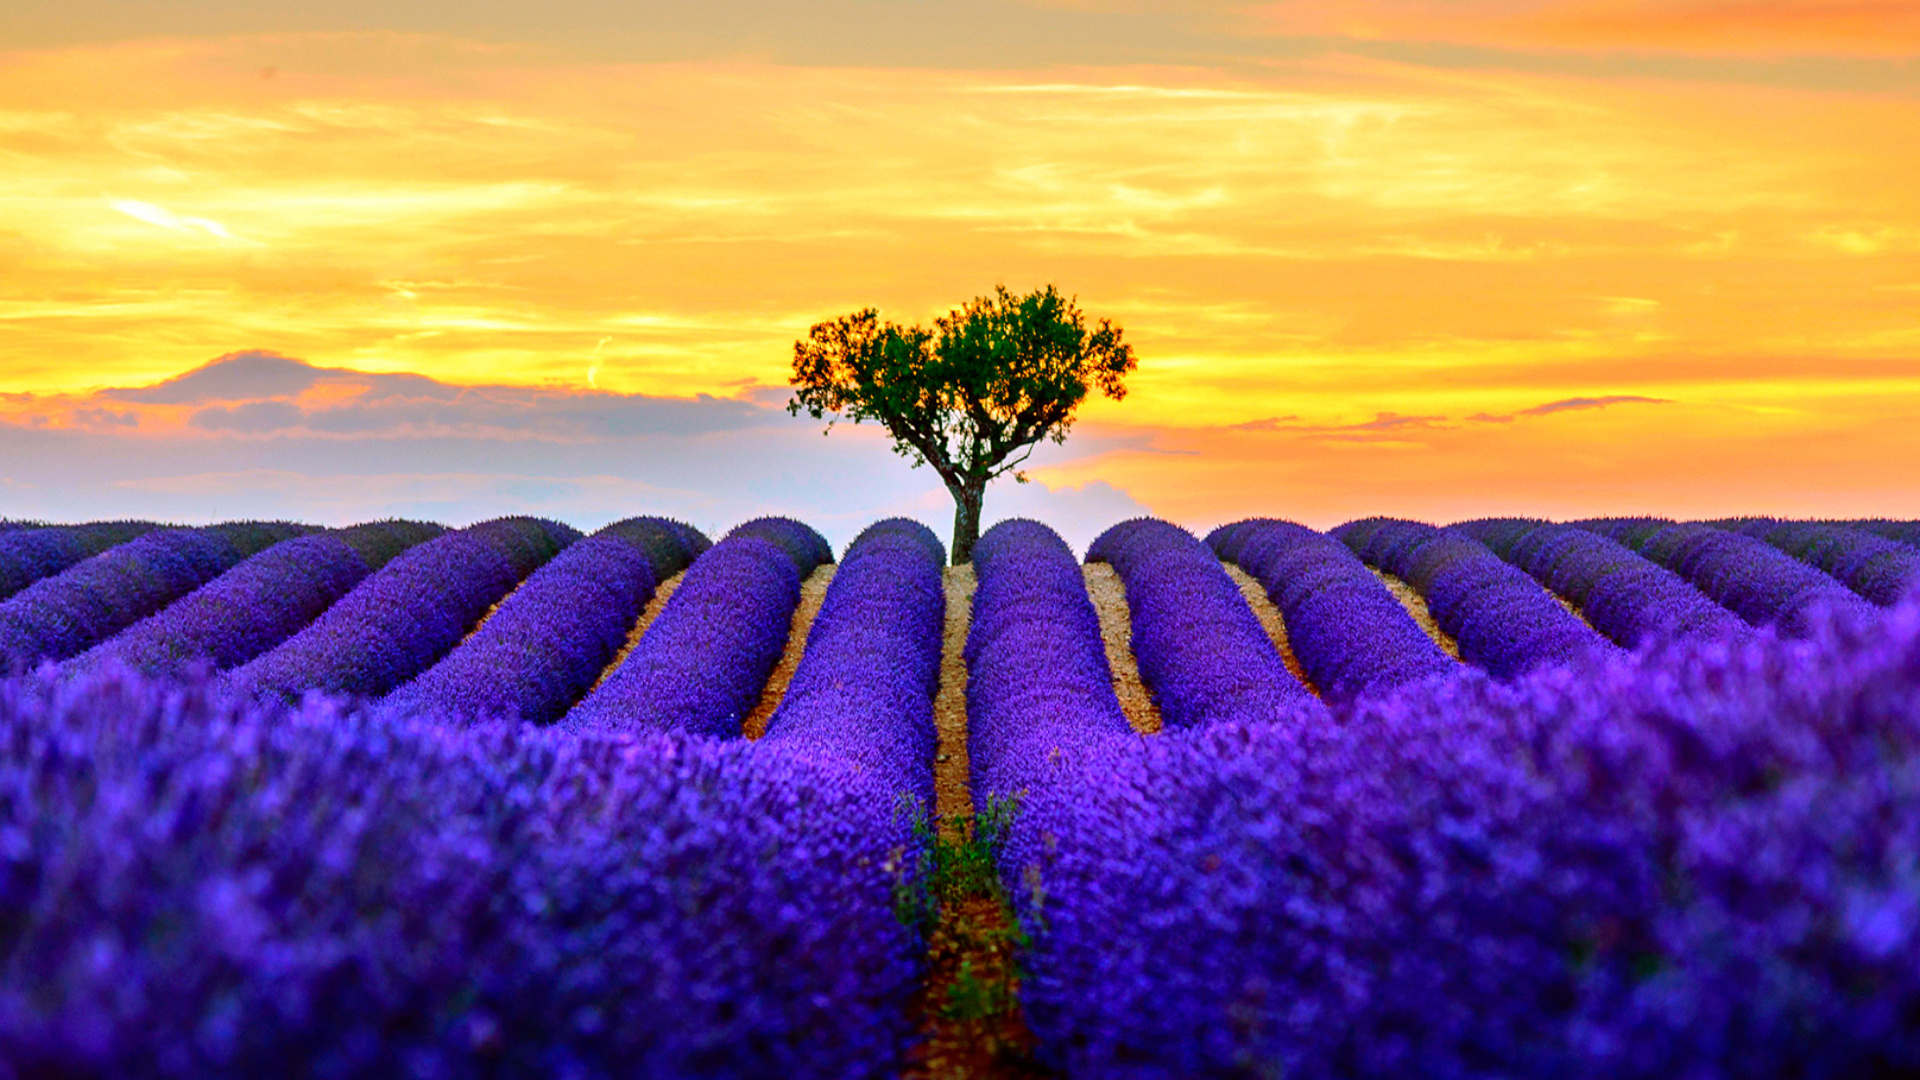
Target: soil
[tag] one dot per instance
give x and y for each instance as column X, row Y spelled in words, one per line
column 813, row 592
column 1416, row 606
column 1274, row 623
column 974, row 934
column 497, row 605
column 661, row 593
column 1109, row 596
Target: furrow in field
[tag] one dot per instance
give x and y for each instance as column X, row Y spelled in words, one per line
column 1501, row 617
column 704, row 663
column 552, row 636
column 1755, row 580
column 1274, row 623
column 647, row 614
column 1625, row 596
column 1416, row 606
column 813, row 591
column 403, row 619
column 1109, row 596
column 975, row 937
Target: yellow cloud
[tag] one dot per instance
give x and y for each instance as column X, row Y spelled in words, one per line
column 1331, row 238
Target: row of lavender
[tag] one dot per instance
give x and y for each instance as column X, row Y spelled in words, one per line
column 1629, row 579
column 857, row 721
column 421, row 887
column 1693, row 859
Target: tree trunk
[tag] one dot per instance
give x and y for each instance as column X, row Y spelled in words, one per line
column 966, row 520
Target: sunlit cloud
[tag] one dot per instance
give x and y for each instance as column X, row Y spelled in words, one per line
column 154, row 215
column 1766, row 27
column 1360, row 245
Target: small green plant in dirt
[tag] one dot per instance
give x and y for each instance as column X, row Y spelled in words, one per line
column 954, row 870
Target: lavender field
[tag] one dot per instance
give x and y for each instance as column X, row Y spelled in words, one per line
column 1505, row 798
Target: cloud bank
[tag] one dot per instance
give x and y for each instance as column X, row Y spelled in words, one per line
column 256, row 434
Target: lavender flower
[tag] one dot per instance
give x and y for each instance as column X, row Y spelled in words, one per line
column 1907, row 532
column 1881, row 569
column 533, row 658
column 402, row 619
column 1504, row 621
column 59, row 616
column 1348, row 632
column 256, row 605
column 196, row 887
column 1200, row 648
column 1040, row 700
column 1759, row 583
column 865, row 685
column 704, row 661
column 1694, row 863
column 1621, row 594
column 30, row 552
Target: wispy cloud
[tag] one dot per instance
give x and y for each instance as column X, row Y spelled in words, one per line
column 257, row 434
column 154, row 215
column 1572, row 404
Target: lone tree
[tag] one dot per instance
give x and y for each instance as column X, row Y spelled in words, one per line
column 988, row 382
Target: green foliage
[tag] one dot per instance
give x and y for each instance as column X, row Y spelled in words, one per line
column 970, row 397
column 951, row 871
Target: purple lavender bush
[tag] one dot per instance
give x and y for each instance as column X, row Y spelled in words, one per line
column 703, row 663
column 1348, row 632
column 1040, row 700
column 196, row 886
column 29, row 552
column 1759, row 583
column 1694, row 862
column 399, row 621
column 1906, row 532
column 535, row 657
column 1200, row 649
column 1882, row 570
column 256, row 605
column 864, row 689
column 1504, row 621
column 60, row 616
column 1621, row 594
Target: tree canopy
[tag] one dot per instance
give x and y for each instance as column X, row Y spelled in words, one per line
column 971, row 397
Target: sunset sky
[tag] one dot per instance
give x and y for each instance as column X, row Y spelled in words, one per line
column 1429, row 258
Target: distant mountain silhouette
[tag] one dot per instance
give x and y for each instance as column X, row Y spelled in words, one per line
column 256, row 375
column 241, row 376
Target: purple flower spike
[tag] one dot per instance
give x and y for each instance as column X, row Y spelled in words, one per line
column 1505, row 622
column 1759, row 583
column 535, row 657
column 1629, row 598
column 1200, row 648
column 1695, row 861
column 1880, row 569
column 865, row 685
column 704, row 661
column 1348, row 632
column 197, row 887
column 29, row 552
column 60, row 616
column 399, row 621
column 256, row 605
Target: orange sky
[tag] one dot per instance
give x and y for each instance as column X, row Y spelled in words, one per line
column 1337, row 234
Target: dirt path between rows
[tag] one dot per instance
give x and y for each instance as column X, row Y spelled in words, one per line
column 974, row 937
column 1274, row 623
column 661, row 594
column 1109, row 596
column 492, row 611
column 813, row 593
column 1416, row 606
